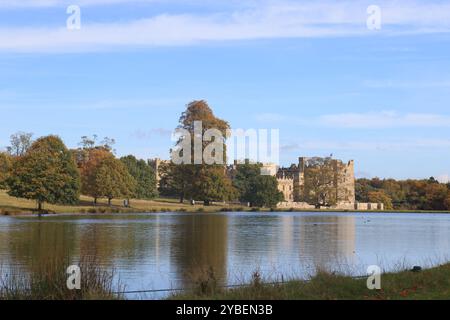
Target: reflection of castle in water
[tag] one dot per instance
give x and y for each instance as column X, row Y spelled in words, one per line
column 326, row 240
column 291, row 242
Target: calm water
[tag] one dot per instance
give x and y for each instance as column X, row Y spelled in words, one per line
column 151, row 251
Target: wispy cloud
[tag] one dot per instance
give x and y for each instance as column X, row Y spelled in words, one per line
column 369, row 120
column 385, row 119
column 360, row 145
column 259, row 20
column 152, row 133
column 398, row 84
column 48, row 103
column 443, row 178
column 61, row 3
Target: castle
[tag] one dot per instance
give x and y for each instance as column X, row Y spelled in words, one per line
column 292, row 180
column 300, row 182
column 330, row 179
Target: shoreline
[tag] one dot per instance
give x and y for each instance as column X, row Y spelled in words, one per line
column 100, row 210
column 10, row 206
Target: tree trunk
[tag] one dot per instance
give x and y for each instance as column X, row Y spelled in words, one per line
column 109, row 201
column 39, row 208
column 95, row 201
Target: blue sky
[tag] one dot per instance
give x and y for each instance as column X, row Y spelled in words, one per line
column 311, row 69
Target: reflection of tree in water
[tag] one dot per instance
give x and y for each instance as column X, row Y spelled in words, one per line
column 327, row 240
column 34, row 244
column 200, row 243
column 131, row 242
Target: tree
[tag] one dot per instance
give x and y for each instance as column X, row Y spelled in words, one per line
column 112, row 180
column 415, row 194
column 212, row 184
column 172, row 183
column 380, row 196
column 88, row 143
column 264, row 192
column 447, row 201
column 108, row 144
column 89, row 161
column 321, row 178
column 436, row 196
column 207, row 182
column 258, row 190
column 20, row 143
column 244, row 180
column 362, row 189
column 5, row 168
column 427, row 194
column 46, row 173
column 144, row 175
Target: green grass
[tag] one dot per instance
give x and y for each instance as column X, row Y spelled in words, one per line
column 433, row 284
column 17, row 206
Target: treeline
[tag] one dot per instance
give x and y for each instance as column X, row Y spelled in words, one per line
column 45, row 170
column 426, row 194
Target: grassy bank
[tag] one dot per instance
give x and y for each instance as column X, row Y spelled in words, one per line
column 428, row 284
column 48, row 281
column 17, row 206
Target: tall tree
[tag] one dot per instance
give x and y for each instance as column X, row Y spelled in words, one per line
column 5, row 168
column 46, row 173
column 259, row 190
column 212, row 184
column 144, row 175
column 20, row 143
column 112, row 180
column 202, row 181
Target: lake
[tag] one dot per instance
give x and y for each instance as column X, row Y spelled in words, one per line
column 163, row 251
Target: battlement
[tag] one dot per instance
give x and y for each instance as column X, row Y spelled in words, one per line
column 343, row 178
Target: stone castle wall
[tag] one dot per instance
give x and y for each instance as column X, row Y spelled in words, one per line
column 340, row 206
column 291, row 182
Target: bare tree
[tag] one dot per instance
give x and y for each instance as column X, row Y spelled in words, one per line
column 108, row 144
column 20, row 143
column 87, row 142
